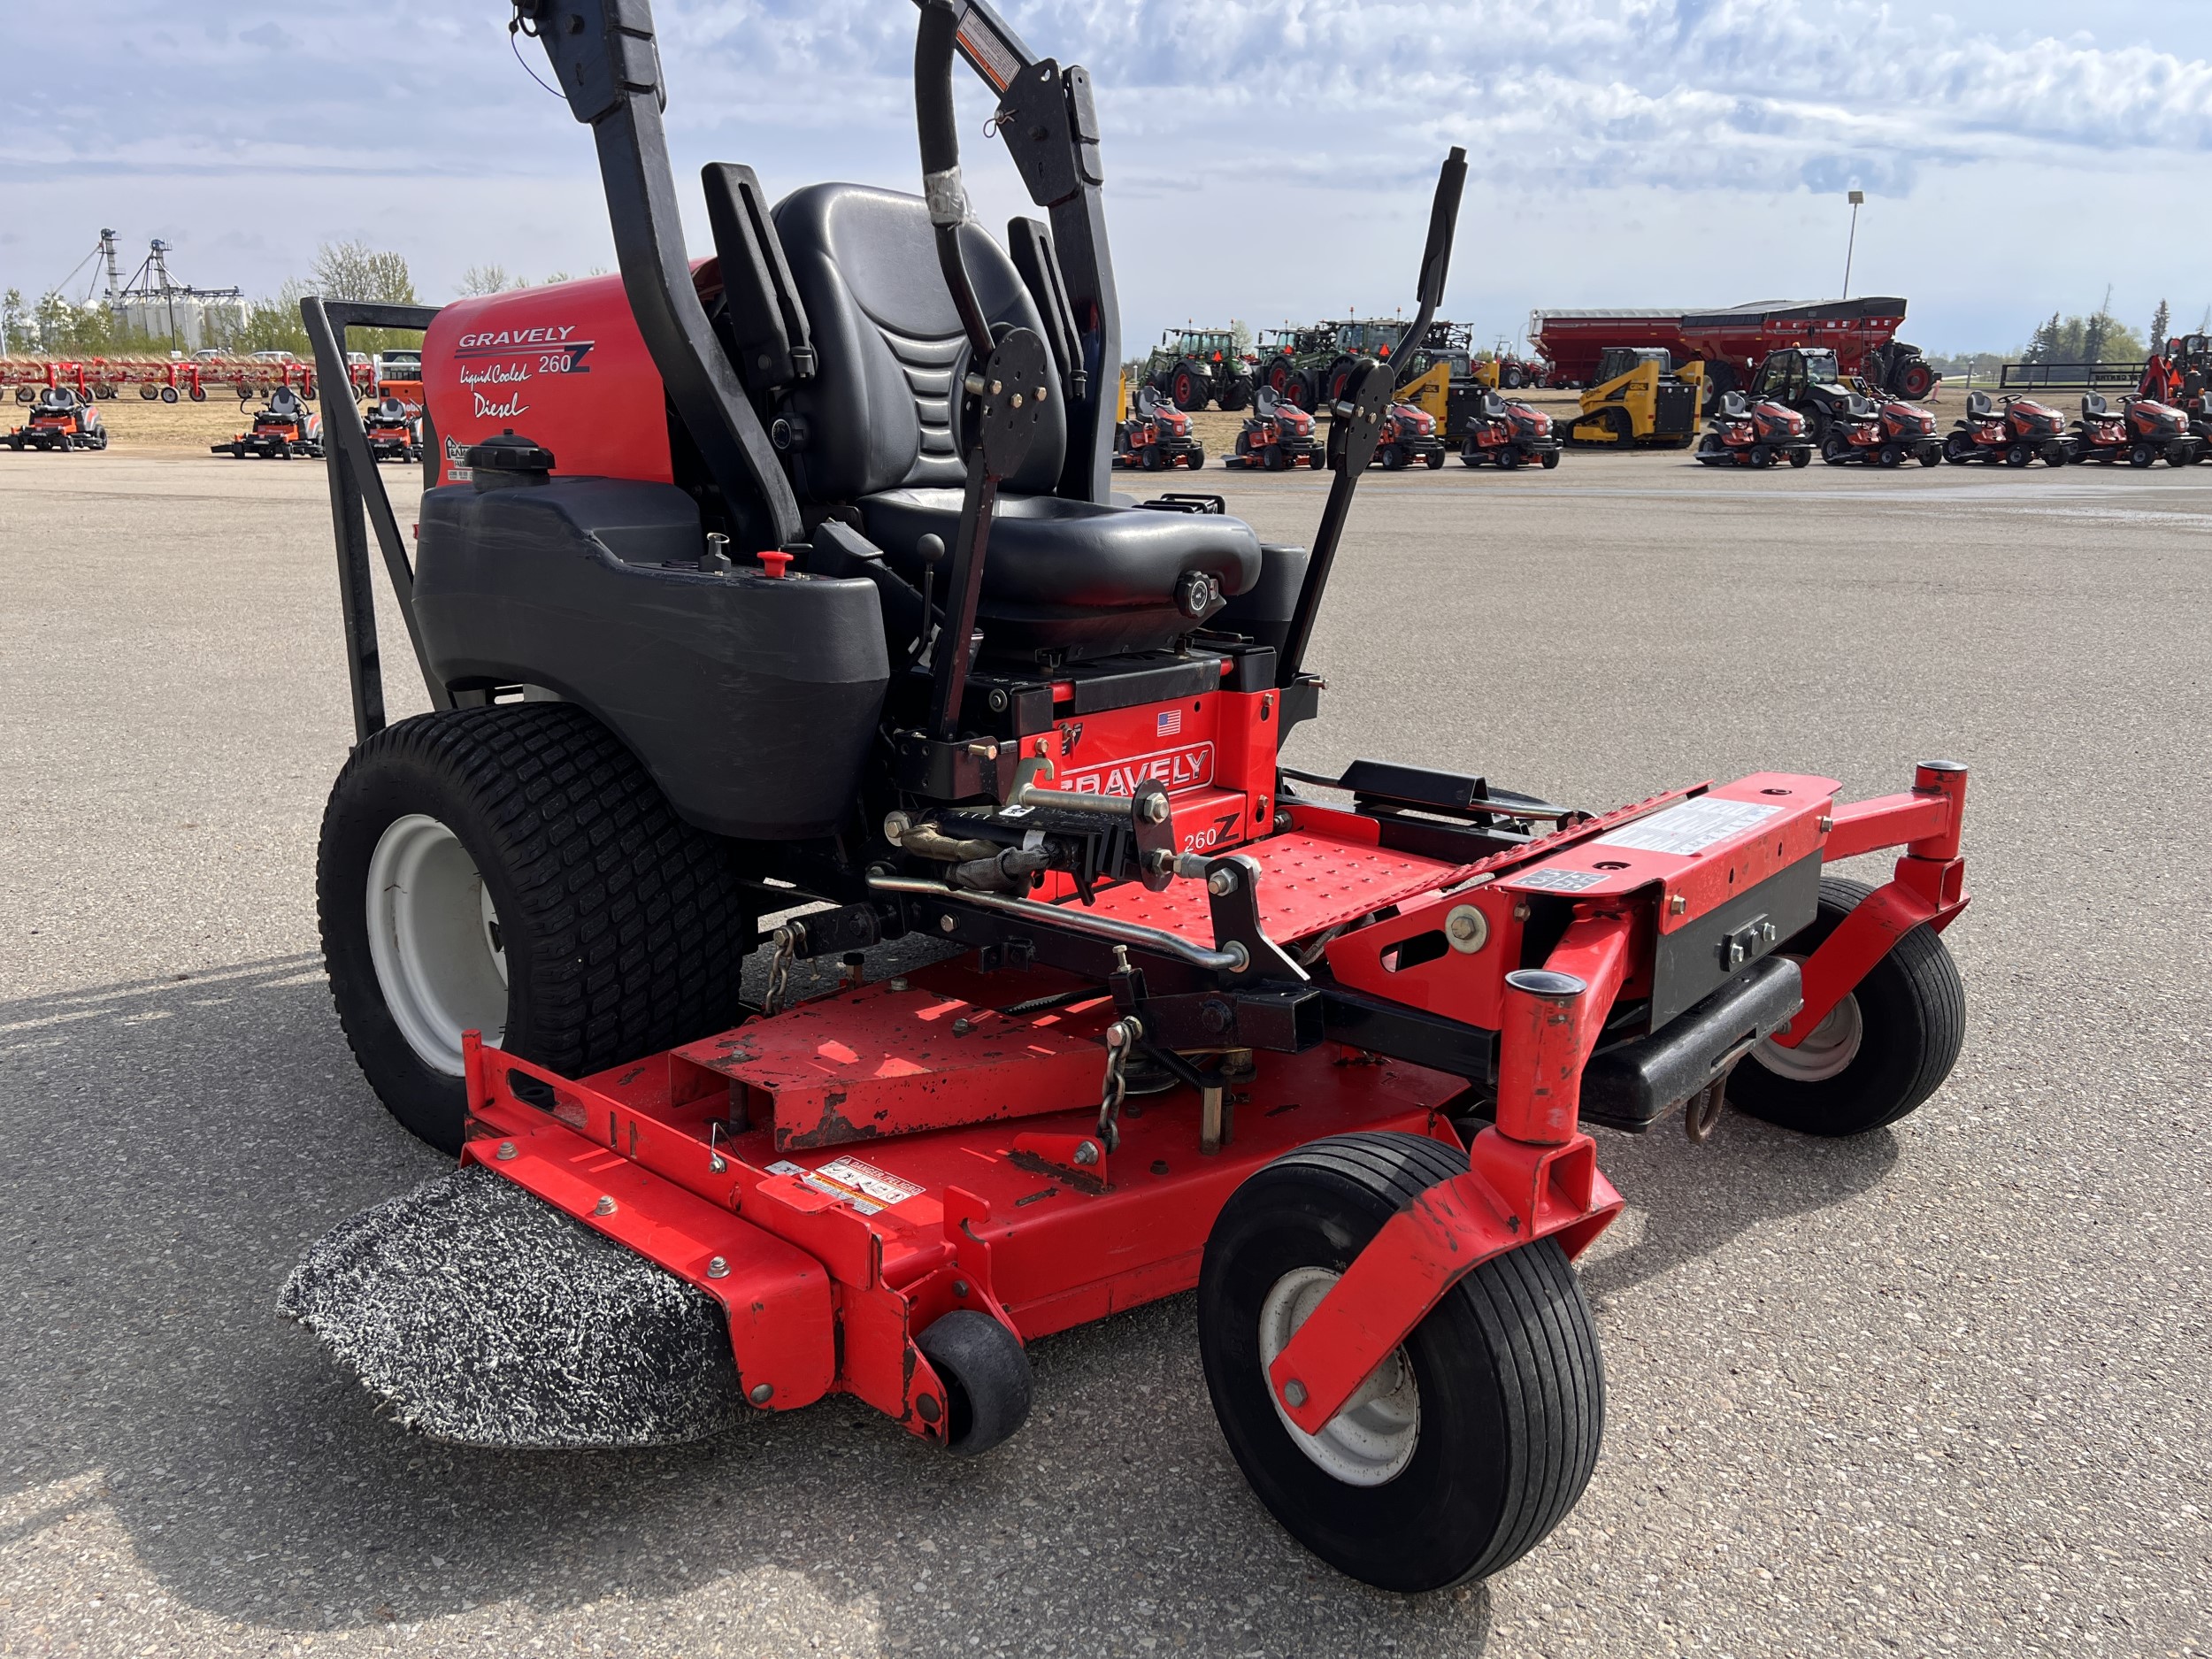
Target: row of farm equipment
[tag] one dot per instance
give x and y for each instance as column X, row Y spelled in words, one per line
column 1311, row 365
column 1800, row 403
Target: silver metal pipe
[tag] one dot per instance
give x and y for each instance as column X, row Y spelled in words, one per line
column 1231, row 958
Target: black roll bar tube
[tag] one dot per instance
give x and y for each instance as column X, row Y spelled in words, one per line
column 356, row 488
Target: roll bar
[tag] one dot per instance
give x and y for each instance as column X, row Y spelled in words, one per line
column 608, row 64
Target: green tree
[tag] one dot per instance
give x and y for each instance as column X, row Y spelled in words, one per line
column 1239, row 337
column 489, row 279
column 16, row 337
column 2161, row 326
column 354, row 271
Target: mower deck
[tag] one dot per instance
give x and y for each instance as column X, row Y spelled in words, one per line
column 827, row 1259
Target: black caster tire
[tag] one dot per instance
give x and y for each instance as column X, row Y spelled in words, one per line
column 1475, row 1439
column 1434, row 461
column 1804, row 458
column 513, row 870
column 986, row 1376
column 1551, row 460
column 1508, row 459
column 1881, row 1052
column 1395, row 458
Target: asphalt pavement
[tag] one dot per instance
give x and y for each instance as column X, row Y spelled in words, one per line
column 1939, row 1390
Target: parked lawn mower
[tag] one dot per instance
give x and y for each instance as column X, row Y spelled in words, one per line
column 1278, row 435
column 2140, row 432
column 61, row 419
column 1409, row 435
column 1323, row 1048
column 1505, row 432
column 281, row 429
column 1880, row 431
column 2013, row 432
column 1753, row 431
column 1156, row 435
column 393, row 433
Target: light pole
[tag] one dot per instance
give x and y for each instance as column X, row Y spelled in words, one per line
column 1851, row 247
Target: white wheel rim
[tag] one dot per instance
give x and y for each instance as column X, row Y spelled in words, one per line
column 434, row 939
column 1827, row 1049
column 1373, row 1440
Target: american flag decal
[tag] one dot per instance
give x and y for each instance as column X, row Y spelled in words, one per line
column 1170, row 722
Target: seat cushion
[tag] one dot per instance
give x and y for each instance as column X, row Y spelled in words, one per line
column 1071, row 577
column 880, row 407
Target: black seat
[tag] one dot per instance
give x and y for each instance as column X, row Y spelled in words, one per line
column 391, row 409
column 58, row 399
column 2092, row 405
column 1064, row 579
column 1980, row 405
column 1265, row 401
column 284, row 405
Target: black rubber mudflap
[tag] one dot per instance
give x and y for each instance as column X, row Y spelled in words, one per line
column 482, row 1315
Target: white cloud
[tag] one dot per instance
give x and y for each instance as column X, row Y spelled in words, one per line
column 1265, row 160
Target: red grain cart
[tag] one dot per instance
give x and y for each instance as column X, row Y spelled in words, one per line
column 1862, row 333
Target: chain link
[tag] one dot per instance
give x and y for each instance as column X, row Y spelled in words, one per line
column 785, row 940
column 1121, row 1041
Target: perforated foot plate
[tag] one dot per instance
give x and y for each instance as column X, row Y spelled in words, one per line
column 480, row 1316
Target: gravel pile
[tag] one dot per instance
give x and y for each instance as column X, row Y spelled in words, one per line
column 479, row 1314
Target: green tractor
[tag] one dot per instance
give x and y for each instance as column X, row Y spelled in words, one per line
column 1191, row 367
column 1310, row 366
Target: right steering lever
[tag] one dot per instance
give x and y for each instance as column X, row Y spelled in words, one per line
column 1356, row 420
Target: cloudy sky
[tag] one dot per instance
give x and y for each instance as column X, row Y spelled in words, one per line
column 1268, row 159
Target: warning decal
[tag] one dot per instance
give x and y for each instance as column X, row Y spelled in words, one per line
column 1552, row 880
column 865, row 1187
column 1691, row 827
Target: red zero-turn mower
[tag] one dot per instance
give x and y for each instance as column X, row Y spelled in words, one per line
column 1325, row 1049
column 1753, row 431
column 1275, row 436
column 61, row 419
column 2139, row 432
column 285, row 428
column 392, row 433
column 1507, row 432
column 1156, row 435
column 2013, row 432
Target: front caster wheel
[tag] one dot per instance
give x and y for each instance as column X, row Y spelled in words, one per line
column 986, row 1376
column 1475, row 1436
column 1881, row 1051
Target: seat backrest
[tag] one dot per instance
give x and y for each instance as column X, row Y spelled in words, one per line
column 1978, row 404
column 1733, row 404
column 281, row 402
column 1147, row 401
column 2093, row 403
column 1265, row 401
column 890, row 348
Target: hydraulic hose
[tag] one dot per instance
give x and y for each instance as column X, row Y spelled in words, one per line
column 936, row 45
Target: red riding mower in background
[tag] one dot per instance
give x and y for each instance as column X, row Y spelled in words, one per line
column 1277, row 434
column 2015, row 432
column 920, row 676
column 1156, row 435
column 60, row 419
column 1507, row 432
column 285, row 428
column 1881, row 430
column 394, row 434
column 1748, row 433
column 2139, row 432
column 1409, row 434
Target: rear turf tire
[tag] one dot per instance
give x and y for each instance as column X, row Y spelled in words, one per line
column 1884, row 1049
column 578, row 922
column 1489, row 1428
